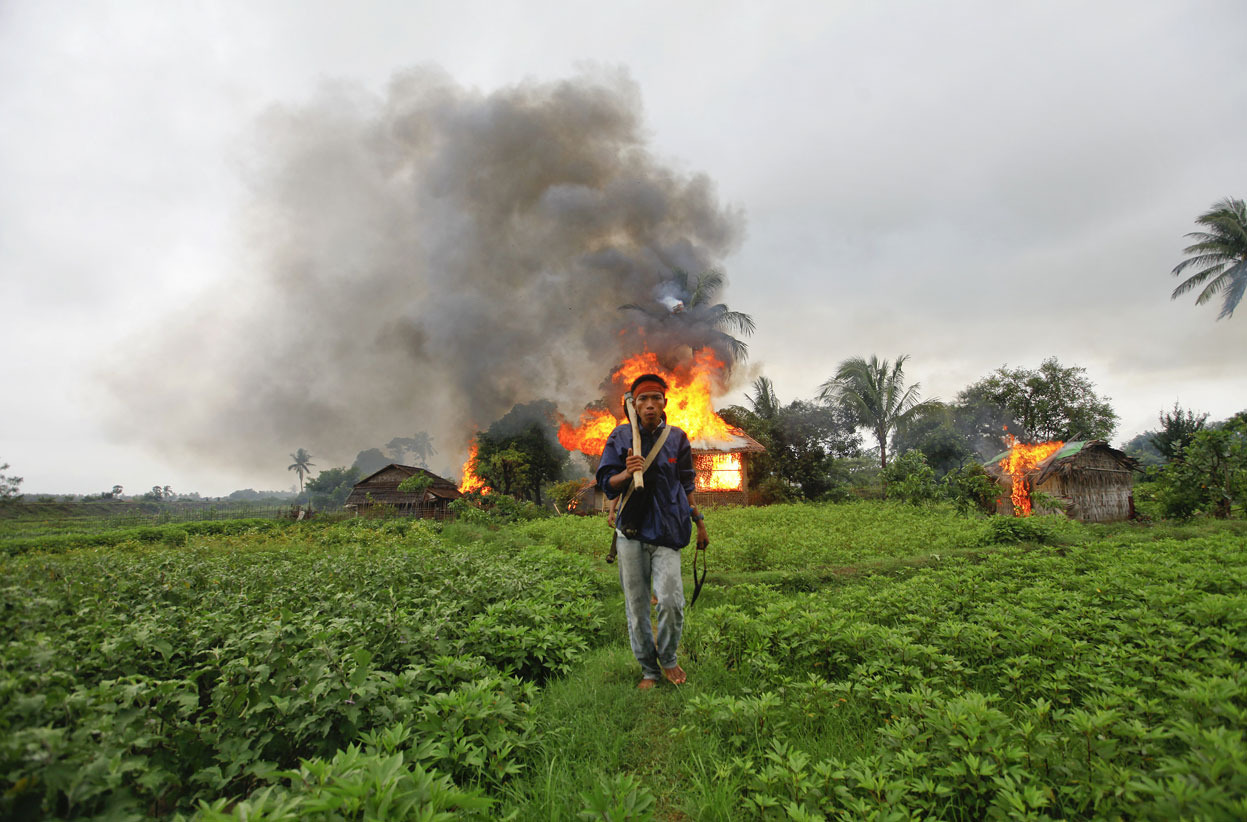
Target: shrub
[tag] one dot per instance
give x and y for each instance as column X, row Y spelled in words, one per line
column 562, row 493
column 496, row 508
column 774, row 490
column 909, row 479
column 1210, row 477
column 416, row 484
column 1019, row 529
column 972, row 489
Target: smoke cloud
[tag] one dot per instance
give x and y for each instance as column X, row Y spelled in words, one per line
column 422, row 259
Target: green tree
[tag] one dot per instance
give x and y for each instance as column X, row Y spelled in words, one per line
column 688, row 305
column 420, row 446
column 506, row 470
column 1176, row 431
column 933, row 431
column 520, row 452
column 370, row 461
column 1219, row 254
column 1211, row 477
column 331, row 487
column 302, row 465
column 1143, row 448
column 874, row 392
column 802, row 440
column 1052, row 402
column 9, row 485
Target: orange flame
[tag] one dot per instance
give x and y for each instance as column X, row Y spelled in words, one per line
column 718, row 472
column 590, row 436
column 1022, row 459
column 689, row 404
column 471, row 482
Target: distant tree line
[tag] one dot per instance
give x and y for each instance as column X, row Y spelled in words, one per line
column 815, row 449
column 1193, row 466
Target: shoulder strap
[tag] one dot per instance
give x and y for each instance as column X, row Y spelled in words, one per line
column 649, row 460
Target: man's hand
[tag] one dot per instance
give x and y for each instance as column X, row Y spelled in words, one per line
column 633, row 463
column 703, row 537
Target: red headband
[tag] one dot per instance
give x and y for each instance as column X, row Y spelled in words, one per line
column 648, row 385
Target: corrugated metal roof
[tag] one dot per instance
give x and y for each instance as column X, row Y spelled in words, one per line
column 1069, row 449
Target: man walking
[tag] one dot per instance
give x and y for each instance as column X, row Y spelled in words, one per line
column 654, row 523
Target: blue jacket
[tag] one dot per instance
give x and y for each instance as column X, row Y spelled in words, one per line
column 660, row 512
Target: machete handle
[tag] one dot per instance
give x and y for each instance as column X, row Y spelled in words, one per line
column 638, row 478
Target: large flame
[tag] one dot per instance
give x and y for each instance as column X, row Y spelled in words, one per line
column 1021, row 460
column 689, row 407
column 689, row 404
column 590, row 436
column 472, row 482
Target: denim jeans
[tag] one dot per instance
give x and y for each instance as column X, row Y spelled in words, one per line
column 646, row 569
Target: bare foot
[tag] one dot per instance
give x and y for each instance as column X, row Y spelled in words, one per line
column 675, row 676
column 646, row 684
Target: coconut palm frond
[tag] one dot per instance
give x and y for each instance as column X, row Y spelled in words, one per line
column 680, row 278
column 1213, row 259
column 647, row 310
column 1219, row 283
column 721, row 316
column 1220, row 254
column 708, row 284
column 1234, row 292
column 739, row 348
column 764, row 401
column 1195, row 280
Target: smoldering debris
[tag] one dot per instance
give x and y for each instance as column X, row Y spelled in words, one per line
column 422, row 258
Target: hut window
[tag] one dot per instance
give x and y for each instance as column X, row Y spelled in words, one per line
column 718, row 472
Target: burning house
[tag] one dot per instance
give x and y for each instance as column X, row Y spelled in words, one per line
column 720, row 452
column 1090, row 481
column 381, row 488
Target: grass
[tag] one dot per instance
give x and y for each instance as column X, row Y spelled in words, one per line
column 844, row 660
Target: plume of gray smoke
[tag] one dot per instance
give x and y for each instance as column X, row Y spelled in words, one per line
column 423, row 259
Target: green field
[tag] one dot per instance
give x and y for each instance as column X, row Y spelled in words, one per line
column 858, row 661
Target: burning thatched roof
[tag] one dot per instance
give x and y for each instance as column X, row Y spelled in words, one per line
column 735, row 442
column 1071, row 457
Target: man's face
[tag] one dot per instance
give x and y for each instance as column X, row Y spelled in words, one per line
column 649, row 407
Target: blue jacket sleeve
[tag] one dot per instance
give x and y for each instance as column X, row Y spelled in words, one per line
column 613, row 455
column 684, row 464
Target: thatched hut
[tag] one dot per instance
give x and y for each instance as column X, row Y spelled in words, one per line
column 723, row 469
column 379, row 491
column 1089, row 480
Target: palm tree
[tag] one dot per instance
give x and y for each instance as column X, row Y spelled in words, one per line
column 710, row 321
column 764, row 401
column 302, row 465
column 420, row 446
column 874, row 392
column 1220, row 254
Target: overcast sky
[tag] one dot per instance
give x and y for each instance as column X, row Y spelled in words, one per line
column 971, row 183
